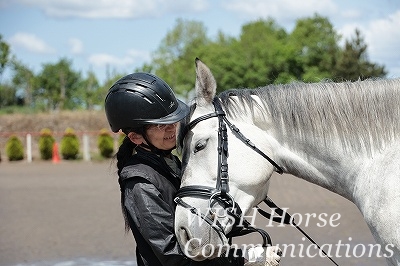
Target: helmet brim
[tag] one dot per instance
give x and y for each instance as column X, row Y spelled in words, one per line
column 180, row 113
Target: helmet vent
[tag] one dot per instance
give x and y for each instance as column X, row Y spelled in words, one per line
column 140, row 95
column 141, row 84
column 159, row 97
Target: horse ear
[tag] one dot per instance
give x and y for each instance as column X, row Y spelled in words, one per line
column 206, row 86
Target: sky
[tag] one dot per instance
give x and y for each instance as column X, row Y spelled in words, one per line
column 106, row 36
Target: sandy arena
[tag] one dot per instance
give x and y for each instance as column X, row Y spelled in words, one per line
column 70, row 211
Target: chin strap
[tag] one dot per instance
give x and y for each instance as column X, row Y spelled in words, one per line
column 154, row 149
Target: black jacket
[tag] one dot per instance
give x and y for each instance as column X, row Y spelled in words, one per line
column 148, row 187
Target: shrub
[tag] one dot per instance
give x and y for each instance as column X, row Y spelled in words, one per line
column 121, row 138
column 105, row 143
column 46, row 142
column 69, row 145
column 14, row 149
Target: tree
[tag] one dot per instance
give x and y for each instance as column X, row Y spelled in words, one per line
column 264, row 53
column 262, row 44
column 7, row 92
column 88, row 91
column 58, row 85
column 258, row 57
column 316, row 48
column 23, row 78
column 4, row 55
column 174, row 58
column 7, row 95
column 353, row 63
column 225, row 57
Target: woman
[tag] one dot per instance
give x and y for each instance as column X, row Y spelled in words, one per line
column 144, row 107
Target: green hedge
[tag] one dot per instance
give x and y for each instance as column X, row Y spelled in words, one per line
column 14, row 149
column 70, row 145
column 105, row 143
column 46, row 142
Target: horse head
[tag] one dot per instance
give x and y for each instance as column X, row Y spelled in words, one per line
column 212, row 181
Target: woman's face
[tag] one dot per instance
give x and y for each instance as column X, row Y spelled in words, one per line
column 162, row 136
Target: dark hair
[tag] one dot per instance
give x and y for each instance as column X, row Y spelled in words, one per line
column 123, row 154
column 127, row 146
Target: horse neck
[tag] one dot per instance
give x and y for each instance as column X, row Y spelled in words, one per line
column 326, row 135
column 325, row 167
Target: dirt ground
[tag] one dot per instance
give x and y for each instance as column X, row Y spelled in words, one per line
column 70, row 210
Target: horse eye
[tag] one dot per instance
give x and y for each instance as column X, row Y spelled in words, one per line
column 200, row 145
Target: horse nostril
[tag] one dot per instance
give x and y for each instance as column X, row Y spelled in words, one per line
column 187, row 240
column 183, row 234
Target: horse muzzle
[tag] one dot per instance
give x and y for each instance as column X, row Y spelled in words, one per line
column 199, row 239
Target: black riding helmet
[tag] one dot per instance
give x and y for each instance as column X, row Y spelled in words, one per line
column 140, row 99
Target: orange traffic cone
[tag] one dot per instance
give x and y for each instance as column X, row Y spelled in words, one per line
column 56, row 156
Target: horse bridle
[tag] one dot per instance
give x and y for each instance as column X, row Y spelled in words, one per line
column 220, row 194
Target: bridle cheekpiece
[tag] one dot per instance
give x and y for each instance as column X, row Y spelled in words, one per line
column 220, row 194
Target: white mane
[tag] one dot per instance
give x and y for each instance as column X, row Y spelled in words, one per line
column 362, row 115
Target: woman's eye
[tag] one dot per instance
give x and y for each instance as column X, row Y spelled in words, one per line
column 200, row 145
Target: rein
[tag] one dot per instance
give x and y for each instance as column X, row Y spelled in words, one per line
column 220, row 194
